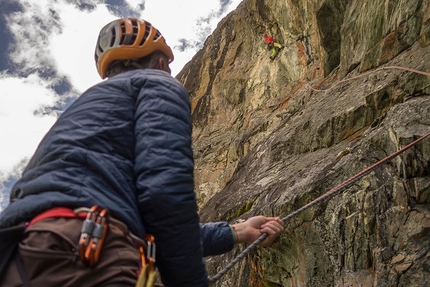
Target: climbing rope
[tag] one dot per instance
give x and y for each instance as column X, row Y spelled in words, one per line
column 316, row 201
column 371, row 72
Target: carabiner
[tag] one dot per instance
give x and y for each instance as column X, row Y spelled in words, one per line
column 87, row 231
column 150, row 249
column 93, row 251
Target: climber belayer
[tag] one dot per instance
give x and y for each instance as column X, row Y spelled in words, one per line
column 272, row 45
column 108, row 198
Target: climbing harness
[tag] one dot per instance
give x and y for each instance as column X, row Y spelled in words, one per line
column 316, row 201
column 93, row 235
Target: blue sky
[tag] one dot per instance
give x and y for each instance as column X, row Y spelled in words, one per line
column 47, row 60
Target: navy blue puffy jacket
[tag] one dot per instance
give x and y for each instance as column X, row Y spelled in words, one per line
column 125, row 144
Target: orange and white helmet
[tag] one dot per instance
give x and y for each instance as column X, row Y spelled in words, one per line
column 127, row 39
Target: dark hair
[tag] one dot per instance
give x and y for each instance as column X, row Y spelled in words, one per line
column 147, row 62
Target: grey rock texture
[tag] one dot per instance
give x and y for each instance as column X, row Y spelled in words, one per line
column 348, row 88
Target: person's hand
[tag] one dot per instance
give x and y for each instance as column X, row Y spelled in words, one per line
column 251, row 229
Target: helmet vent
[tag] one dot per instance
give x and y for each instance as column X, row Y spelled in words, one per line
column 147, row 31
column 157, row 35
column 122, row 34
column 135, row 31
column 127, row 39
column 112, row 40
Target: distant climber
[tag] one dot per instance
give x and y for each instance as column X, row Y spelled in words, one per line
column 272, row 45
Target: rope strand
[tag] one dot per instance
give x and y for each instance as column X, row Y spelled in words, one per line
column 316, row 201
column 371, row 72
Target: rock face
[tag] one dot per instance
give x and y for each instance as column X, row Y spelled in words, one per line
column 346, row 90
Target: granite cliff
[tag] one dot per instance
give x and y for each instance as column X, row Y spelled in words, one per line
column 350, row 87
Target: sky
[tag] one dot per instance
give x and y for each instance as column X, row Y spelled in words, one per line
column 47, row 60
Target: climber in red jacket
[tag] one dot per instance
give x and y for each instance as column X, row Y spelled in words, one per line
column 272, row 45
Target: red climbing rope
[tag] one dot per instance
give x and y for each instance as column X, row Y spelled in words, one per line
column 316, row 201
column 371, row 72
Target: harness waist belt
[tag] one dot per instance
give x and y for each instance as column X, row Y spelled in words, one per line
column 57, row 212
column 64, row 212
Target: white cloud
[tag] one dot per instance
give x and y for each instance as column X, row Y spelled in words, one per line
column 21, row 130
column 73, row 49
column 32, row 30
column 134, row 3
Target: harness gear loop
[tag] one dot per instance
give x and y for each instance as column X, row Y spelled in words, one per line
column 94, row 221
column 94, row 230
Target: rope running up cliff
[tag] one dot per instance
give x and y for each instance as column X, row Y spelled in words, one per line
column 334, row 190
column 316, row 201
column 371, row 72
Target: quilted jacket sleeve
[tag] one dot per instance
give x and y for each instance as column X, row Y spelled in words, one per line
column 217, row 238
column 164, row 174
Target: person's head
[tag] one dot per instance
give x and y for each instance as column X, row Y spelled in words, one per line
column 128, row 44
